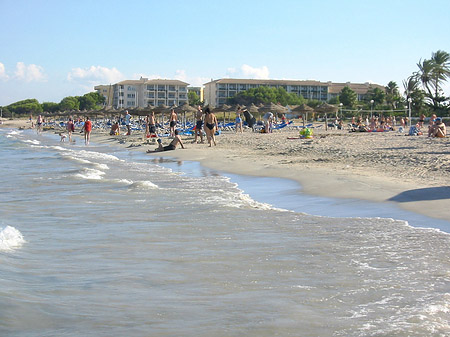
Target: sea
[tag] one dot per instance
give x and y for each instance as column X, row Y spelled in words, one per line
column 101, row 241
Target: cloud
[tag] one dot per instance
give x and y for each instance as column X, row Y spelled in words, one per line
column 3, row 75
column 29, row 73
column 96, row 75
column 181, row 75
column 247, row 71
column 257, row 73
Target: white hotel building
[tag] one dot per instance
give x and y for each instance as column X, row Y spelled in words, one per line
column 144, row 92
column 216, row 92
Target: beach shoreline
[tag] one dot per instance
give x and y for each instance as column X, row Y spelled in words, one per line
column 408, row 171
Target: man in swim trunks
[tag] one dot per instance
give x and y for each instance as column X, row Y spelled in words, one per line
column 438, row 129
column 173, row 122
column 172, row 146
column 199, row 125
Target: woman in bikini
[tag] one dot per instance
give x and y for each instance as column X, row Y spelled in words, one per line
column 211, row 125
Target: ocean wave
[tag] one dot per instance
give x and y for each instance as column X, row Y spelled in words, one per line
column 90, row 174
column 32, row 141
column 143, row 185
column 10, row 239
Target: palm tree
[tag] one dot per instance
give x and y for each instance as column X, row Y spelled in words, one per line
column 441, row 70
column 413, row 91
column 432, row 73
column 392, row 94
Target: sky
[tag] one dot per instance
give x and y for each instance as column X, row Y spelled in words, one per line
column 53, row 49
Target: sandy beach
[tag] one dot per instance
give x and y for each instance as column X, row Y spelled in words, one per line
column 411, row 171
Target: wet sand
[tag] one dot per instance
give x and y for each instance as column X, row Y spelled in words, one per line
column 410, row 171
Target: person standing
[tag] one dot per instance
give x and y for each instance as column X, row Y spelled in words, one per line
column 39, row 122
column 211, row 125
column 127, row 122
column 152, row 125
column 239, row 124
column 268, row 118
column 173, row 122
column 70, row 128
column 87, row 127
column 199, row 125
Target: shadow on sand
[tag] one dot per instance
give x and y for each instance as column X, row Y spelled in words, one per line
column 422, row 194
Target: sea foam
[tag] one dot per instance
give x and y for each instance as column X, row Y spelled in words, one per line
column 10, row 239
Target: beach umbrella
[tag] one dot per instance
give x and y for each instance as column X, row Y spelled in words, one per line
column 326, row 108
column 303, row 110
column 253, row 109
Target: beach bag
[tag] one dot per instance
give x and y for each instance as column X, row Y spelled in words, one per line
column 306, row 133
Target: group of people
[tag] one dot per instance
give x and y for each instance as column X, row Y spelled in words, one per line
column 204, row 121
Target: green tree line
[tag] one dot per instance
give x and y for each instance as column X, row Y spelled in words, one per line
column 89, row 101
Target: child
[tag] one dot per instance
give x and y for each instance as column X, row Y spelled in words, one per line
column 63, row 137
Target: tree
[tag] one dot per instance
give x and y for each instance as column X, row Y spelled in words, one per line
column 193, row 98
column 393, row 97
column 348, row 97
column 69, row 103
column 266, row 95
column 50, row 106
column 25, row 107
column 417, row 95
column 432, row 74
column 377, row 95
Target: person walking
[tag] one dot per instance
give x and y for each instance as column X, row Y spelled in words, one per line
column 173, row 122
column 87, row 127
column 127, row 122
column 70, row 128
column 211, row 125
column 199, row 125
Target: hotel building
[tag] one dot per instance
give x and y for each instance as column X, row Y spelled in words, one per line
column 144, row 92
column 216, row 92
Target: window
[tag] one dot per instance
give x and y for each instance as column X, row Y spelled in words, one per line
column 182, row 96
column 161, row 102
column 151, row 95
column 150, row 102
column 242, row 87
column 150, row 87
column 131, row 95
column 171, row 95
column 161, row 94
column 130, row 88
column 172, row 88
column 161, row 88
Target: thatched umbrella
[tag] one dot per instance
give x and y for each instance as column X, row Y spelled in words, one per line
column 275, row 108
column 327, row 108
column 183, row 109
column 253, row 109
column 303, row 109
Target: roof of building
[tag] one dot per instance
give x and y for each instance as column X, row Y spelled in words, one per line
column 154, row 81
column 359, row 88
column 266, row 81
column 333, row 88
